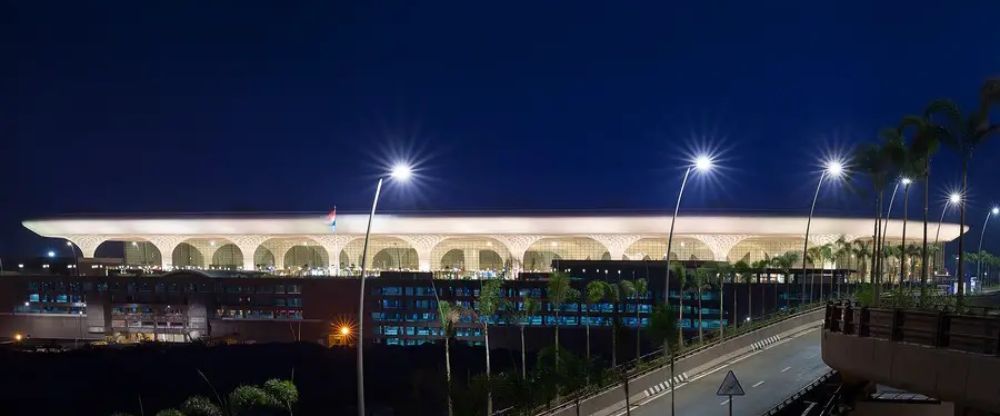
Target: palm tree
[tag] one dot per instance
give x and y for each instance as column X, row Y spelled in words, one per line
column 841, row 250
column 784, row 263
column 760, row 266
column 926, row 142
column 963, row 135
column 815, row 257
column 617, row 294
column 862, row 251
column 594, row 294
column 877, row 162
column 486, row 307
column 742, row 269
column 448, row 316
column 523, row 317
column 662, row 326
column 559, row 293
column 723, row 270
column 678, row 269
column 641, row 292
column 702, row 276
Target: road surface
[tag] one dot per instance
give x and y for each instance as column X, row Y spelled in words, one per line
column 767, row 376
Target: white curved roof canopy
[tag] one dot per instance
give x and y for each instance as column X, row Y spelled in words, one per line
column 615, row 233
column 393, row 224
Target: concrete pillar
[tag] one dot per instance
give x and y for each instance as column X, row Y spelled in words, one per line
column 166, row 245
column 471, row 257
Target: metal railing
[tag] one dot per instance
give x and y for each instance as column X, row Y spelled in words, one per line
column 802, row 392
column 655, row 360
column 935, row 327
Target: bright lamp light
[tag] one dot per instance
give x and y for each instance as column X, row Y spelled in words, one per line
column 906, row 181
column 995, row 210
column 703, row 163
column 955, row 198
column 401, row 172
column 51, row 253
column 834, row 168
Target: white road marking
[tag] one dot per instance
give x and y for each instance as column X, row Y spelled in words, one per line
column 758, row 383
column 785, row 369
column 724, row 402
column 669, row 390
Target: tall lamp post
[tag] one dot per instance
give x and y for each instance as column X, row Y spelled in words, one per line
column 834, row 169
column 902, row 252
column 954, row 199
column 402, row 173
column 979, row 253
column 701, row 163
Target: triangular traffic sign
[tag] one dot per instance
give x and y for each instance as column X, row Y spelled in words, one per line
column 730, row 386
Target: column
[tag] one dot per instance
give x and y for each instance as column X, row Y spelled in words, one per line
column 423, row 244
column 248, row 247
column 166, row 245
column 471, row 256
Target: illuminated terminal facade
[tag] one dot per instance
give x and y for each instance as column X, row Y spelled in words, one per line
column 260, row 278
column 449, row 244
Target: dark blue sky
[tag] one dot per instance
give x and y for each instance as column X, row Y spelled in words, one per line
column 291, row 106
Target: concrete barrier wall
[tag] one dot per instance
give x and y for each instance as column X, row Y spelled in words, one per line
column 966, row 378
column 690, row 364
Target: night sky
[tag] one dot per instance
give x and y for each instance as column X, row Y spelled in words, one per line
column 192, row 106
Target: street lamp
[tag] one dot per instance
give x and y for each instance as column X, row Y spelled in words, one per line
column 401, row 172
column 954, row 199
column 979, row 253
column 902, row 252
column 834, row 169
column 700, row 164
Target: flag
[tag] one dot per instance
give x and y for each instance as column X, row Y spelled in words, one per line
column 331, row 219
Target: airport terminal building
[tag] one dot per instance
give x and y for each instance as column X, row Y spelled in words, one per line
column 449, row 244
column 259, row 278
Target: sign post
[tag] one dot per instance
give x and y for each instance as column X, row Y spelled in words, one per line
column 730, row 387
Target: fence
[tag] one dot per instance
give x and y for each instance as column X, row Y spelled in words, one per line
column 939, row 328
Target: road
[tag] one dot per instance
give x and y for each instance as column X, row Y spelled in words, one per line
column 768, row 376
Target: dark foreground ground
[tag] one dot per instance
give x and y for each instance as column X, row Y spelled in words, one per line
column 100, row 381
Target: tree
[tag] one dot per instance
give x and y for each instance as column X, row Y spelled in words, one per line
column 662, row 326
column 614, row 294
column 760, row 267
column 284, row 392
column 244, row 400
column 841, row 250
column 876, row 160
column 722, row 271
column 702, row 278
column 926, row 142
column 641, row 293
column 522, row 316
column 559, row 293
column 200, row 406
column 448, row 316
column 678, row 269
column 784, row 263
column 594, row 294
column 486, row 307
column 861, row 250
column 815, row 257
column 746, row 276
column 963, row 135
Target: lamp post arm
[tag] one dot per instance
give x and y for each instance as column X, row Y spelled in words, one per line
column 361, row 306
column 805, row 244
column 670, row 235
column 979, row 261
